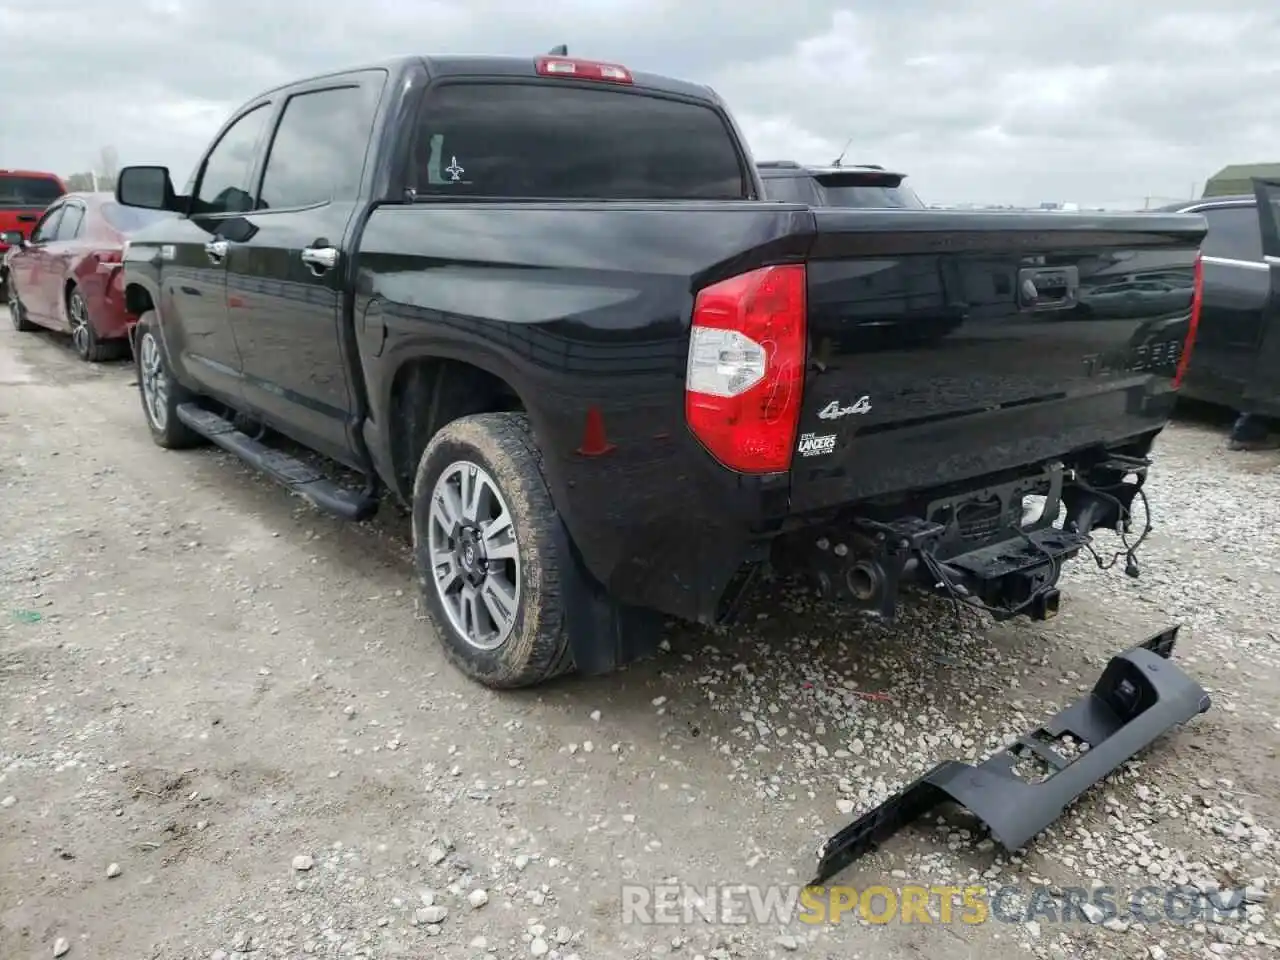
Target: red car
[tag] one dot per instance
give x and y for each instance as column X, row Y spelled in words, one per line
column 24, row 195
column 69, row 274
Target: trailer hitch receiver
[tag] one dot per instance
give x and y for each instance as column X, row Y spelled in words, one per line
column 1141, row 695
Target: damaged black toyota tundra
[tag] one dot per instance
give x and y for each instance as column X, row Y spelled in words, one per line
column 544, row 304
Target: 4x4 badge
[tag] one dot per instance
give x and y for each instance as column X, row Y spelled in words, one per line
column 833, row 410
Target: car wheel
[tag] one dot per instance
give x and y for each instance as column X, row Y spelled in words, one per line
column 17, row 312
column 486, row 554
column 84, row 338
column 161, row 394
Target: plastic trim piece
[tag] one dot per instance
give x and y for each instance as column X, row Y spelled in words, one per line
column 1140, row 696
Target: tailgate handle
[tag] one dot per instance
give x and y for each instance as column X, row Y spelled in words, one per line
column 1048, row 288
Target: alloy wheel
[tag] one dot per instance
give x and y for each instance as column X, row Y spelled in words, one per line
column 475, row 563
column 155, row 382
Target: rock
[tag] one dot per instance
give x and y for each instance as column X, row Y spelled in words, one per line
column 113, row 870
column 61, row 945
column 595, row 715
column 218, row 955
column 787, row 942
column 563, row 935
column 8, row 801
column 1033, row 928
column 477, row 898
column 1156, row 951
column 1093, row 913
column 479, row 943
column 303, row 862
column 844, row 805
column 658, row 701
column 435, row 855
column 432, row 914
column 522, row 861
column 539, row 947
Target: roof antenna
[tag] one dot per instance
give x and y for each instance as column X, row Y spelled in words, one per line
column 836, row 162
column 560, row 51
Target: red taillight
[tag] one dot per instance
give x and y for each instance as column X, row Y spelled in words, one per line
column 745, row 377
column 1197, row 298
column 582, row 70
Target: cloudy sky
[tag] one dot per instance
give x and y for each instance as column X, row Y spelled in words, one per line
column 1017, row 101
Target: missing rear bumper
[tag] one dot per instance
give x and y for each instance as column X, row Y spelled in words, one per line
column 1140, row 696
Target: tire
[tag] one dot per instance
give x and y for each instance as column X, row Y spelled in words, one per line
column 84, row 338
column 160, row 393
column 495, row 451
column 17, row 312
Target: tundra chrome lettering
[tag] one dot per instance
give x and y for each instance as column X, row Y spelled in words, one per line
column 1141, row 359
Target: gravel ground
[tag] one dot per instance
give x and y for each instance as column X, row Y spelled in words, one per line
column 224, row 735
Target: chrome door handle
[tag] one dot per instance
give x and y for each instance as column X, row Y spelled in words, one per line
column 320, row 259
column 216, row 249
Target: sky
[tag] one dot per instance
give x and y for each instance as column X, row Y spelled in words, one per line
column 1099, row 102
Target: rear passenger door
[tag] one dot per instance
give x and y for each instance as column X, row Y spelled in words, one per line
column 285, row 279
column 1263, row 392
column 1236, row 290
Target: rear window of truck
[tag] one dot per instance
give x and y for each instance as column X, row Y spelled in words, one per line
column 34, row 193
column 560, row 142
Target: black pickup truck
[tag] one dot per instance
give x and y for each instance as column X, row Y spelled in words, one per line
column 1237, row 357
column 544, row 304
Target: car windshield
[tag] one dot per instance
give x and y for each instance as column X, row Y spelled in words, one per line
column 29, row 192
column 132, row 219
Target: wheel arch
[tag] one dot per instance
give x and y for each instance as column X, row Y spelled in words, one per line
column 426, row 391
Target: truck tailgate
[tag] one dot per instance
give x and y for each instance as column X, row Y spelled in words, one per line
column 945, row 345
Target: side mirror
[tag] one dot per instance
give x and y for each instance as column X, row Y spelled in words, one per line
column 148, row 187
column 13, row 238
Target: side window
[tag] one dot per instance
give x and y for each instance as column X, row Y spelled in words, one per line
column 317, row 154
column 224, row 184
column 1234, row 233
column 47, row 229
column 72, row 219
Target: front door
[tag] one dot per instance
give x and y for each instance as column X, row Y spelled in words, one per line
column 193, row 305
column 1262, row 395
column 30, row 267
column 285, row 279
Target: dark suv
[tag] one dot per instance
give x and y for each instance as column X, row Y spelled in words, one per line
column 865, row 185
